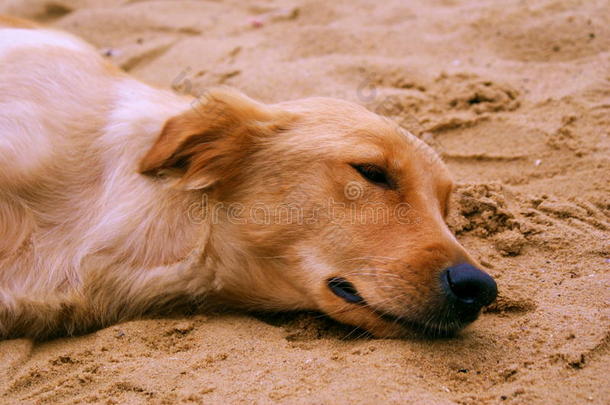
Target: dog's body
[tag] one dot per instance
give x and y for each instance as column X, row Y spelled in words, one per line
column 106, row 186
column 73, row 210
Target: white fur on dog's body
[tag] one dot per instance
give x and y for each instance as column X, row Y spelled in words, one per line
column 114, row 218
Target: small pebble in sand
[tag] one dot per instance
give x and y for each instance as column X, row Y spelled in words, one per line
column 256, row 22
column 276, row 15
column 110, row 52
column 509, row 243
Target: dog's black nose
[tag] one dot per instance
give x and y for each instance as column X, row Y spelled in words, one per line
column 469, row 286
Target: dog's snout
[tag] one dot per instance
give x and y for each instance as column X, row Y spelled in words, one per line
column 469, row 286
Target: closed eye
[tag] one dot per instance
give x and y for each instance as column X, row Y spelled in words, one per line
column 374, row 174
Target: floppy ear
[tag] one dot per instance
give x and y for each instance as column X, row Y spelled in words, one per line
column 213, row 140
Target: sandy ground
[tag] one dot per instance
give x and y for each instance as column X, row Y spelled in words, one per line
column 516, row 97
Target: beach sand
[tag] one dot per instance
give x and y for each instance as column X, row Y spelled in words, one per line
column 515, row 95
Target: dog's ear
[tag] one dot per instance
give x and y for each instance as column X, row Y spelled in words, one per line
column 213, row 140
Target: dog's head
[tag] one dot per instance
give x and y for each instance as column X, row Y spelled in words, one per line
column 321, row 204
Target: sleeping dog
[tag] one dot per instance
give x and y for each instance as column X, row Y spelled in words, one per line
column 118, row 200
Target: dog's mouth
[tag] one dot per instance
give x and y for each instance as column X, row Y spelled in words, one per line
column 439, row 322
column 345, row 290
column 434, row 327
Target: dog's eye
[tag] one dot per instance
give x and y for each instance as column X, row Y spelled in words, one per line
column 374, row 174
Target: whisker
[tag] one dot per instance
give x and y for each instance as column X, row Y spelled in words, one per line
column 369, row 258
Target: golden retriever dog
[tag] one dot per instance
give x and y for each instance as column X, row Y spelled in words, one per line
column 120, row 200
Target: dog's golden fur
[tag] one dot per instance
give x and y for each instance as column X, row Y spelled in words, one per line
column 118, row 199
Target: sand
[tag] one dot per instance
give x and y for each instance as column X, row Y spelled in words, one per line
column 516, row 97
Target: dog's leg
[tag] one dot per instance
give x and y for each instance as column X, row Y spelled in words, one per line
column 104, row 298
column 120, row 295
column 43, row 316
